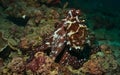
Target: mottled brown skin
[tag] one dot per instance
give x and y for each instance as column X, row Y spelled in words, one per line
column 68, row 44
column 79, row 37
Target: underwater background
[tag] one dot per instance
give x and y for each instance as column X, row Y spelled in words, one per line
column 59, row 37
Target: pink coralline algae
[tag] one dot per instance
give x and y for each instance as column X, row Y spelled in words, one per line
column 40, row 63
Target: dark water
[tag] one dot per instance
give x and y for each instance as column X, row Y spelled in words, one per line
column 94, row 4
column 107, row 11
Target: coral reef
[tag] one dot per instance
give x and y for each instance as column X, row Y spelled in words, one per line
column 40, row 40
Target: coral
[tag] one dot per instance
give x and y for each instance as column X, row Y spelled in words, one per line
column 93, row 67
column 32, row 3
column 116, row 53
column 100, row 63
column 24, row 43
column 3, row 42
column 53, row 14
column 57, row 69
column 24, row 8
column 44, row 65
column 109, row 63
column 14, row 35
column 17, row 65
column 41, row 25
column 40, row 20
column 18, row 8
column 38, row 16
column 34, row 35
column 40, row 64
column 105, row 49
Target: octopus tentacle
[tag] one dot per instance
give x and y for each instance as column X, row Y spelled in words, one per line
column 59, row 38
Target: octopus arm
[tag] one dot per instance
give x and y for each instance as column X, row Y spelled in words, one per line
column 59, row 38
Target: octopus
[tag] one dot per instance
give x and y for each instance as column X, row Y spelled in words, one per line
column 69, row 44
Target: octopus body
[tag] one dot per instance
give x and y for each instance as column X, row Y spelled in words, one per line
column 69, row 44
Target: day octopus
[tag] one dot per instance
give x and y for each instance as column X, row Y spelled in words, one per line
column 70, row 44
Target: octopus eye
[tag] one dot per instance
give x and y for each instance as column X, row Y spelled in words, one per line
column 73, row 10
column 78, row 12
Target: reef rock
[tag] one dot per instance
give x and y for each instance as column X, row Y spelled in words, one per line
column 3, row 42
